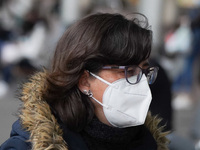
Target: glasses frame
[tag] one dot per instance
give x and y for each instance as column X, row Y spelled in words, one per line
column 143, row 71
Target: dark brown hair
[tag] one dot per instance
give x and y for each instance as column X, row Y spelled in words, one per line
column 92, row 42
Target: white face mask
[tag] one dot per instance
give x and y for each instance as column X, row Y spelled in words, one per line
column 125, row 105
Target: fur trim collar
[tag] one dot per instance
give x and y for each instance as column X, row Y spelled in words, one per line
column 45, row 132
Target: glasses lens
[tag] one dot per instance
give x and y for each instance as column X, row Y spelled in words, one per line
column 152, row 74
column 133, row 74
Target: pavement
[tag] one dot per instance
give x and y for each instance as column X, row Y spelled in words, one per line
column 9, row 106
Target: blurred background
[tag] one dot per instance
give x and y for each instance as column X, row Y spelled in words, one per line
column 30, row 29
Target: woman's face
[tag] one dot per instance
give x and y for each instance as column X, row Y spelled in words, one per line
column 98, row 87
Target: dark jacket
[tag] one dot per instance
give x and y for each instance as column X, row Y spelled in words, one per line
column 18, row 138
column 41, row 129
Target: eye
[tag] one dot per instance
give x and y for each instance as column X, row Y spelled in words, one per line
column 132, row 71
column 122, row 72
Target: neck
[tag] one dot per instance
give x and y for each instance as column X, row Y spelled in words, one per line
column 100, row 115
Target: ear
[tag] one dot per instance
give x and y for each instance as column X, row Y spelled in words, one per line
column 83, row 83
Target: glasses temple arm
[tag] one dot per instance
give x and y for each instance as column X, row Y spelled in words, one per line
column 100, row 78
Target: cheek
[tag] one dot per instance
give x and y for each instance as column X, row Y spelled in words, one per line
column 98, row 88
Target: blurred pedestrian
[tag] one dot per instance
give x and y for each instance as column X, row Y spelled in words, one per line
column 161, row 105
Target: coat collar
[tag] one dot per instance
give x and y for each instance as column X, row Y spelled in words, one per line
column 45, row 132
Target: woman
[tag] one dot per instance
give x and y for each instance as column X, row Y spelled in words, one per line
column 96, row 96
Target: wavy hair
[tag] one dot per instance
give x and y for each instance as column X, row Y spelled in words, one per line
column 92, row 42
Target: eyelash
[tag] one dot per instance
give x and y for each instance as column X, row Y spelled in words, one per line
column 121, row 71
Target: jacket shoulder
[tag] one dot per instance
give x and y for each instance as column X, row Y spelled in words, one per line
column 18, row 139
column 152, row 124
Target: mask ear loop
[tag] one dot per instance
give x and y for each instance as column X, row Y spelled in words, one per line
column 90, row 94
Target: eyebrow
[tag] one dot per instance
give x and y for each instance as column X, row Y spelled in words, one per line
column 145, row 64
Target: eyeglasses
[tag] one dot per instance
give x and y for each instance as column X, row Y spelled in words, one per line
column 134, row 73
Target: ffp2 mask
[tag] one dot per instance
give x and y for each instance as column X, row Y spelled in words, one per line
column 124, row 104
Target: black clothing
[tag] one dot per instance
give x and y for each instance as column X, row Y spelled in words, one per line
column 99, row 136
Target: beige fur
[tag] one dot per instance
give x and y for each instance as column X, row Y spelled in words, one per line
column 45, row 132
